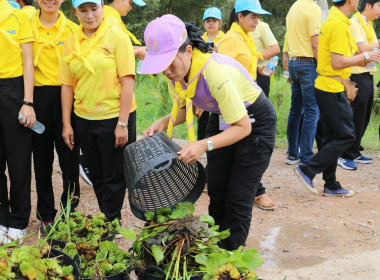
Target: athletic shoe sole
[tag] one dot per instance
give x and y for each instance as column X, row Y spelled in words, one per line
column 349, row 194
column 84, row 176
column 291, row 162
column 362, row 161
column 345, row 166
column 305, row 183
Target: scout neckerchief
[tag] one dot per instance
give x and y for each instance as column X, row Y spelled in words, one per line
column 367, row 29
column 114, row 13
column 248, row 39
column 334, row 12
column 183, row 91
column 219, row 36
column 95, row 38
column 44, row 42
column 5, row 11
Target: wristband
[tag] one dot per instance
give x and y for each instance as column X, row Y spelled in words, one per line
column 27, row 103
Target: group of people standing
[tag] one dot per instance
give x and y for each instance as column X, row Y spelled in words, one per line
column 79, row 82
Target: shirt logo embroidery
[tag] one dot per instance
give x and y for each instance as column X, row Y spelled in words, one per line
column 11, row 31
column 60, row 43
column 106, row 52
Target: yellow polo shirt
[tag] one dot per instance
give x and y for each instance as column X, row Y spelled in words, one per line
column 358, row 32
column 94, row 70
column 29, row 11
column 46, row 70
column 16, row 28
column 217, row 38
column 303, row 21
column 112, row 13
column 264, row 39
column 233, row 45
column 334, row 38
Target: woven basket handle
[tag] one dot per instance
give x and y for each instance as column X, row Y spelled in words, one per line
column 167, row 164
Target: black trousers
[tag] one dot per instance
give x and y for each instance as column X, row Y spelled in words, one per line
column 202, row 125
column 105, row 163
column 234, row 173
column 47, row 100
column 264, row 82
column 337, row 129
column 15, row 152
column 361, row 108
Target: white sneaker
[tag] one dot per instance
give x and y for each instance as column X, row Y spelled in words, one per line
column 15, row 234
column 3, row 234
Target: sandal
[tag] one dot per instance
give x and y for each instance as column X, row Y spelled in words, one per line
column 265, row 206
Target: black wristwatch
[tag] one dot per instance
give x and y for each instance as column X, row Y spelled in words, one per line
column 27, row 103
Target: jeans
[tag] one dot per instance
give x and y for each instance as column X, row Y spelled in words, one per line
column 303, row 75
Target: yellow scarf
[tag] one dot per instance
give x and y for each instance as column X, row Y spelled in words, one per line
column 248, row 39
column 334, row 12
column 111, row 12
column 199, row 60
column 43, row 41
column 368, row 30
column 5, row 11
column 82, row 54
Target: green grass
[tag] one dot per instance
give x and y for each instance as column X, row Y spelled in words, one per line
column 153, row 102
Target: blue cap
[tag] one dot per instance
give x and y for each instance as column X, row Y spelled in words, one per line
column 14, row 5
column 139, row 2
column 253, row 6
column 336, row 1
column 77, row 3
column 212, row 12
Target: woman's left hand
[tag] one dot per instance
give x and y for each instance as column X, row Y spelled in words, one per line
column 192, row 151
column 121, row 136
column 261, row 69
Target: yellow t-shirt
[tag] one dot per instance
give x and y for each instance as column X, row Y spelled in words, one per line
column 17, row 28
column 217, row 38
column 112, row 13
column 233, row 45
column 303, row 21
column 264, row 39
column 93, row 66
column 334, row 38
column 46, row 70
column 357, row 31
column 29, row 11
column 229, row 87
column 286, row 46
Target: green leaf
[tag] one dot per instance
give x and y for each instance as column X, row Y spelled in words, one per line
column 149, row 216
column 158, row 254
column 164, row 211
column 128, row 233
column 186, row 205
column 162, row 219
column 178, row 214
column 224, row 234
column 208, row 220
column 201, row 259
column 252, row 258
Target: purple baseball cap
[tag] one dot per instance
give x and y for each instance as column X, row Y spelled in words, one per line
column 163, row 37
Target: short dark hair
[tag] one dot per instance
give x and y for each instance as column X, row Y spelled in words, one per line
column 364, row 3
column 28, row 2
column 340, row 3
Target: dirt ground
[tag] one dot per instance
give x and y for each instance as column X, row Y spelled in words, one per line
column 307, row 237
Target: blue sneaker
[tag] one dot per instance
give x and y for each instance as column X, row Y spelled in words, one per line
column 308, row 183
column 338, row 193
column 347, row 164
column 363, row 159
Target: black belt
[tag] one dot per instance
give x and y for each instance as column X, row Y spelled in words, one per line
column 304, row 59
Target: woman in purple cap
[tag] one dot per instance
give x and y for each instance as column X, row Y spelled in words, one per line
column 238, row 43
column 242, row 127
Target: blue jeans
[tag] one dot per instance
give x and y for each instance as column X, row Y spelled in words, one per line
column 302, row 75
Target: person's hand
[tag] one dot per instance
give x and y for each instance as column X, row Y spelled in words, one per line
column 68, row 136
column 374, row 56
column 198, row 112
column 157, row 126
column 140, row 52
column 261, row 71
column 121, row 136
column 289, row 80
column 29, row 116
column 192, row 151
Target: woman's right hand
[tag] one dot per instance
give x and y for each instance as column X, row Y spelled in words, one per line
column 374, row 56
column 68, row 136
column 157, row 126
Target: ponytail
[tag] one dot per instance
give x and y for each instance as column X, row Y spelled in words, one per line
column 194, row 39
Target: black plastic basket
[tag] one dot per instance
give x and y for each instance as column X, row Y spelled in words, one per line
column 123, row 275
column 155, row 273
column 156, row 178
column 74, row 262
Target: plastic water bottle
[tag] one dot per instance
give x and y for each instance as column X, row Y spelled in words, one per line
column 285, row 74
column 138, row 68
column 272, row 63
column 372, row 65
column 38, row 128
